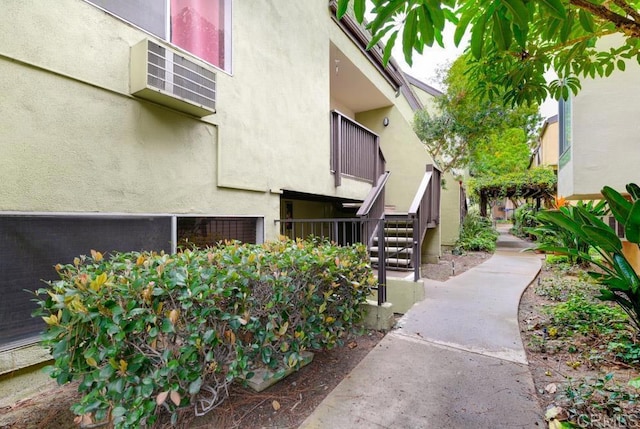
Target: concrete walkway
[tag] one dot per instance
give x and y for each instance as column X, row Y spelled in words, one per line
column 456, row 360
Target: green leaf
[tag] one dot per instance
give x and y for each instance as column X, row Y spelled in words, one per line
column 586, row 20
column 518, row 10
column 618, row 204
column 604, row 238
column 461, row 28
column 555, row 8
column 477, row 36
column 565, row 31
column 627, row 271
column 426, row 26
column 632, row 225
column 343, row 6
column 388, row 47
column 384, row 14
column 563, row 221
column 635, row 382
column 358, row 9
column 520, row 35
column 378, row 36
column 633, row 190
column 501, row 32
column 194, row 386
column 434, row 9
column 409, row 36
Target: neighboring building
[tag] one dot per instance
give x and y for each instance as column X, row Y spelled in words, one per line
column 598, row 139
column 125, row 128
column 546, row 154
column 598, row 135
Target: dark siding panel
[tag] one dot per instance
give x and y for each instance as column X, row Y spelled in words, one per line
column 31, row 245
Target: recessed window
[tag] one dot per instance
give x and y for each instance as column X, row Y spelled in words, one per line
column 201, row 27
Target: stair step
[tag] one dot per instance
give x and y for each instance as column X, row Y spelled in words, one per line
column 393, row 250
column 392, row 231
column 400, row 262
column 395, row 240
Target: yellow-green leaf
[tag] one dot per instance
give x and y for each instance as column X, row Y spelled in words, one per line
column 322, row 308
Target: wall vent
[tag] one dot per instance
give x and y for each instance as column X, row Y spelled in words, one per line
column 165, row 76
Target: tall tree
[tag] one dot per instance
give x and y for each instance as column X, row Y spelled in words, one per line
column 514, row 42
column 468, row 131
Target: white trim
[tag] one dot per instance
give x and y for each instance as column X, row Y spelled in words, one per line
column 174, row 234
column 120, row 214
column 168, row 32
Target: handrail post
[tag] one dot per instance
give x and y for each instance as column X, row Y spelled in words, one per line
column 338, row 151
column 417, row 257
column 377, row 171
column 382, row 265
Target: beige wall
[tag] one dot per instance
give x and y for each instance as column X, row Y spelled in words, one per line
column 605, row 130
column 450, row 211
column 549, row 145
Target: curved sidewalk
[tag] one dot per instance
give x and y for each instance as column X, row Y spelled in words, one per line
column 455, row 361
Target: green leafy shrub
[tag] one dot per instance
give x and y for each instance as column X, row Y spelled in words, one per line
column 477, row 233
column 551, row 234
column 146, row 332
column 524, row 218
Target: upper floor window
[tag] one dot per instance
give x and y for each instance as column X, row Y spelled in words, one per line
column 201, row 27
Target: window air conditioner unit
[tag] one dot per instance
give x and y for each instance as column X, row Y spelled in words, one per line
column 165, row 76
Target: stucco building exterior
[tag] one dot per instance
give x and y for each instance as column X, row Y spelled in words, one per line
column 125, row 128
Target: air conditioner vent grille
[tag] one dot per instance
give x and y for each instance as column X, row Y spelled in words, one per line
column 157, row 57
column 160, row 74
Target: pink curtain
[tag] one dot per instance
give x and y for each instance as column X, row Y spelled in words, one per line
column 198, row 27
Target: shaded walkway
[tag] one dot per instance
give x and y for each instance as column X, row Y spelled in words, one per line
column 456, row 361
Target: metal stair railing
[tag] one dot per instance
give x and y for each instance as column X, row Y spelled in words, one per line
column 342, row 231
column 425, row 212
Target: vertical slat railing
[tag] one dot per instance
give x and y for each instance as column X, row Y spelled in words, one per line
column 355, row 150
column 342, row 231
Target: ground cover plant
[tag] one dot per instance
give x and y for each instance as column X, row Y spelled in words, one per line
column 582, row 351
column 148, row 333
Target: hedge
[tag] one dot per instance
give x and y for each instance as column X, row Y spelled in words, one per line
column 146, row 332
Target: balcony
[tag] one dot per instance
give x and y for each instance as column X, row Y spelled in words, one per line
column 355, row 151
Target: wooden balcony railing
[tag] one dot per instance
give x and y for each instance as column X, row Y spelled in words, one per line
column 355, row 150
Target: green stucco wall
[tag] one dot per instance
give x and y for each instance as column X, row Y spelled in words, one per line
column 74, row 140
column 450, row 211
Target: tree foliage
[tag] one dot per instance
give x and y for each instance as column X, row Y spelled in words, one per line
column 520, row 184
column 514, row 42
column 468, row 131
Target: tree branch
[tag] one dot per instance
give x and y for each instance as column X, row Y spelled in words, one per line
column 630, row 11
column 628, row 26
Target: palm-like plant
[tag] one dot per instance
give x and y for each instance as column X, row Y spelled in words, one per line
column 580, row 228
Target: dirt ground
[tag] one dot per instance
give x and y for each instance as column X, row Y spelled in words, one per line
column 568, row 372
column 284, row 405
